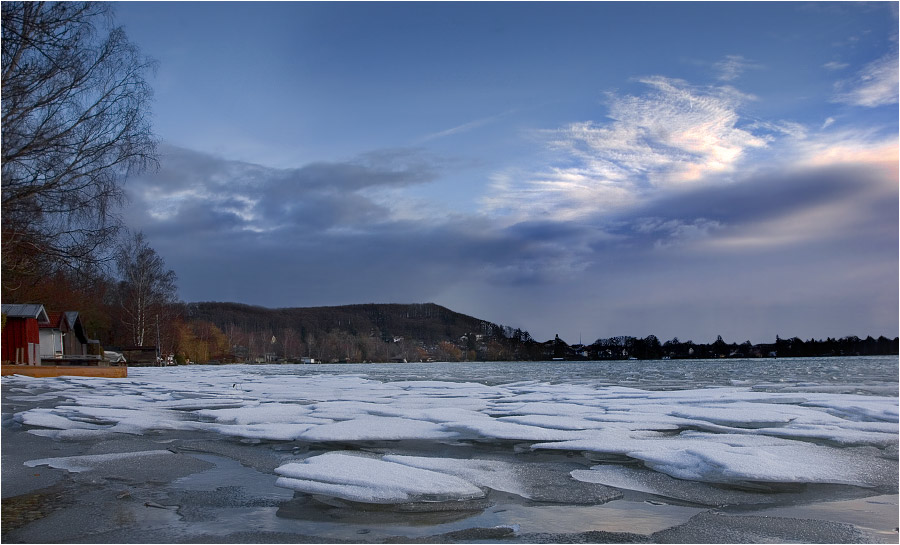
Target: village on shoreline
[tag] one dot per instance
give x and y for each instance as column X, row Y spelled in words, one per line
column 220, row 333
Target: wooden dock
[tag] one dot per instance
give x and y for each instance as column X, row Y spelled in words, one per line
column 41, row 371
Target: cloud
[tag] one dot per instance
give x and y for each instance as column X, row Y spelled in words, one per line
column 774, row 210
column 202, row 192
column 672, row 135
column 876, row 84
column 835, row 65
column 678, row 210
column 732, row 66
column 848, row 146
column 808, row 251
column 674, row 209
column 676, row 232
column 244, row 232
column 466, row 127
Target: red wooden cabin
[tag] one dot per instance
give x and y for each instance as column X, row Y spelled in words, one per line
column 21, row 333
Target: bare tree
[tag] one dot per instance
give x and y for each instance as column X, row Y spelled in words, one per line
column 146, row 291
column 75, row 124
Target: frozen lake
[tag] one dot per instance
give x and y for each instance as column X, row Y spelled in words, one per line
column 665, row 451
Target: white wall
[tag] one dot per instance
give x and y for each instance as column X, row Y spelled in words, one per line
column 51, row 343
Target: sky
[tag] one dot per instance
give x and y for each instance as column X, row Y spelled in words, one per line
column 582, row 169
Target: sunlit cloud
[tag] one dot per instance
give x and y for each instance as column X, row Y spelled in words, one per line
column 876, row 84
column 847, row 147
column 672, row 135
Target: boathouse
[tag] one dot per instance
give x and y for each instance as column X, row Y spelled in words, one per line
column 63, row 336
column 21, row 333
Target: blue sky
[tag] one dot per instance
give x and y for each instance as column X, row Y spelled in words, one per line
column 593, row 169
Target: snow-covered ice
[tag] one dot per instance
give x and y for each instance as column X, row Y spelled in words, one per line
column 733, row 434
column 494, row 474
column 369, row 480
column 376, row 428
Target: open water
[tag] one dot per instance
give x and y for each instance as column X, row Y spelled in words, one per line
column 665, row 451
column 874, row 375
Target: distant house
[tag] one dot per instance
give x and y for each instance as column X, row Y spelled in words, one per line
column 52, row 334
column 138, row 356
column 63, row 336
column 80, row 344
column 21, row 333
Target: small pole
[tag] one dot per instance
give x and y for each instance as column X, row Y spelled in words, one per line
column 158, row 362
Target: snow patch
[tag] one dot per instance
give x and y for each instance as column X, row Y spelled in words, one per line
column 369, row 480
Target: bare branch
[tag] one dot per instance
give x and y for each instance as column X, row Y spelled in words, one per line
column 74, row 126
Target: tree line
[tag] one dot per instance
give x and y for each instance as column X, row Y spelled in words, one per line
column 650, row 348
column 231, row 332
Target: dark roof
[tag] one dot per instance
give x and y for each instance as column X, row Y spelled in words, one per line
column 54, row 320
column 30, row 310
column 71, row 317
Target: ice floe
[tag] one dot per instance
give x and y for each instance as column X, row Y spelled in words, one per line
column 660, row 484
column 495, row 474
column 369, row 480
column 733, row 434
column 78, row 464
column 376, row 428
column 539, row 481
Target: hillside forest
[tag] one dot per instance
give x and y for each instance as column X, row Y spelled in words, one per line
column 214, row 332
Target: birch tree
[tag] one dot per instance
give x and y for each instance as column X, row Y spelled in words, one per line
column 146, row 289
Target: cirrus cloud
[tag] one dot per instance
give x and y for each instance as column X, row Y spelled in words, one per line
column 672, row 135
column 876, row 84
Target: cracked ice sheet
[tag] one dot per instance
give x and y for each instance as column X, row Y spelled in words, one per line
column 856, row 407
column 262, row 413
column 376, row 428
column 78, row 464
column 494, row 474
column 369, row 480
column 605, row 419
column 652, row 482
column 263, row 432
column 835, row 434
column 735, row 458
column 739, row 414
column 116, row 419
column 545, row 482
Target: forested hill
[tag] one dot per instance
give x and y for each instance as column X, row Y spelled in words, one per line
column 375, row 332
column 426, row 322
column 233, row 332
